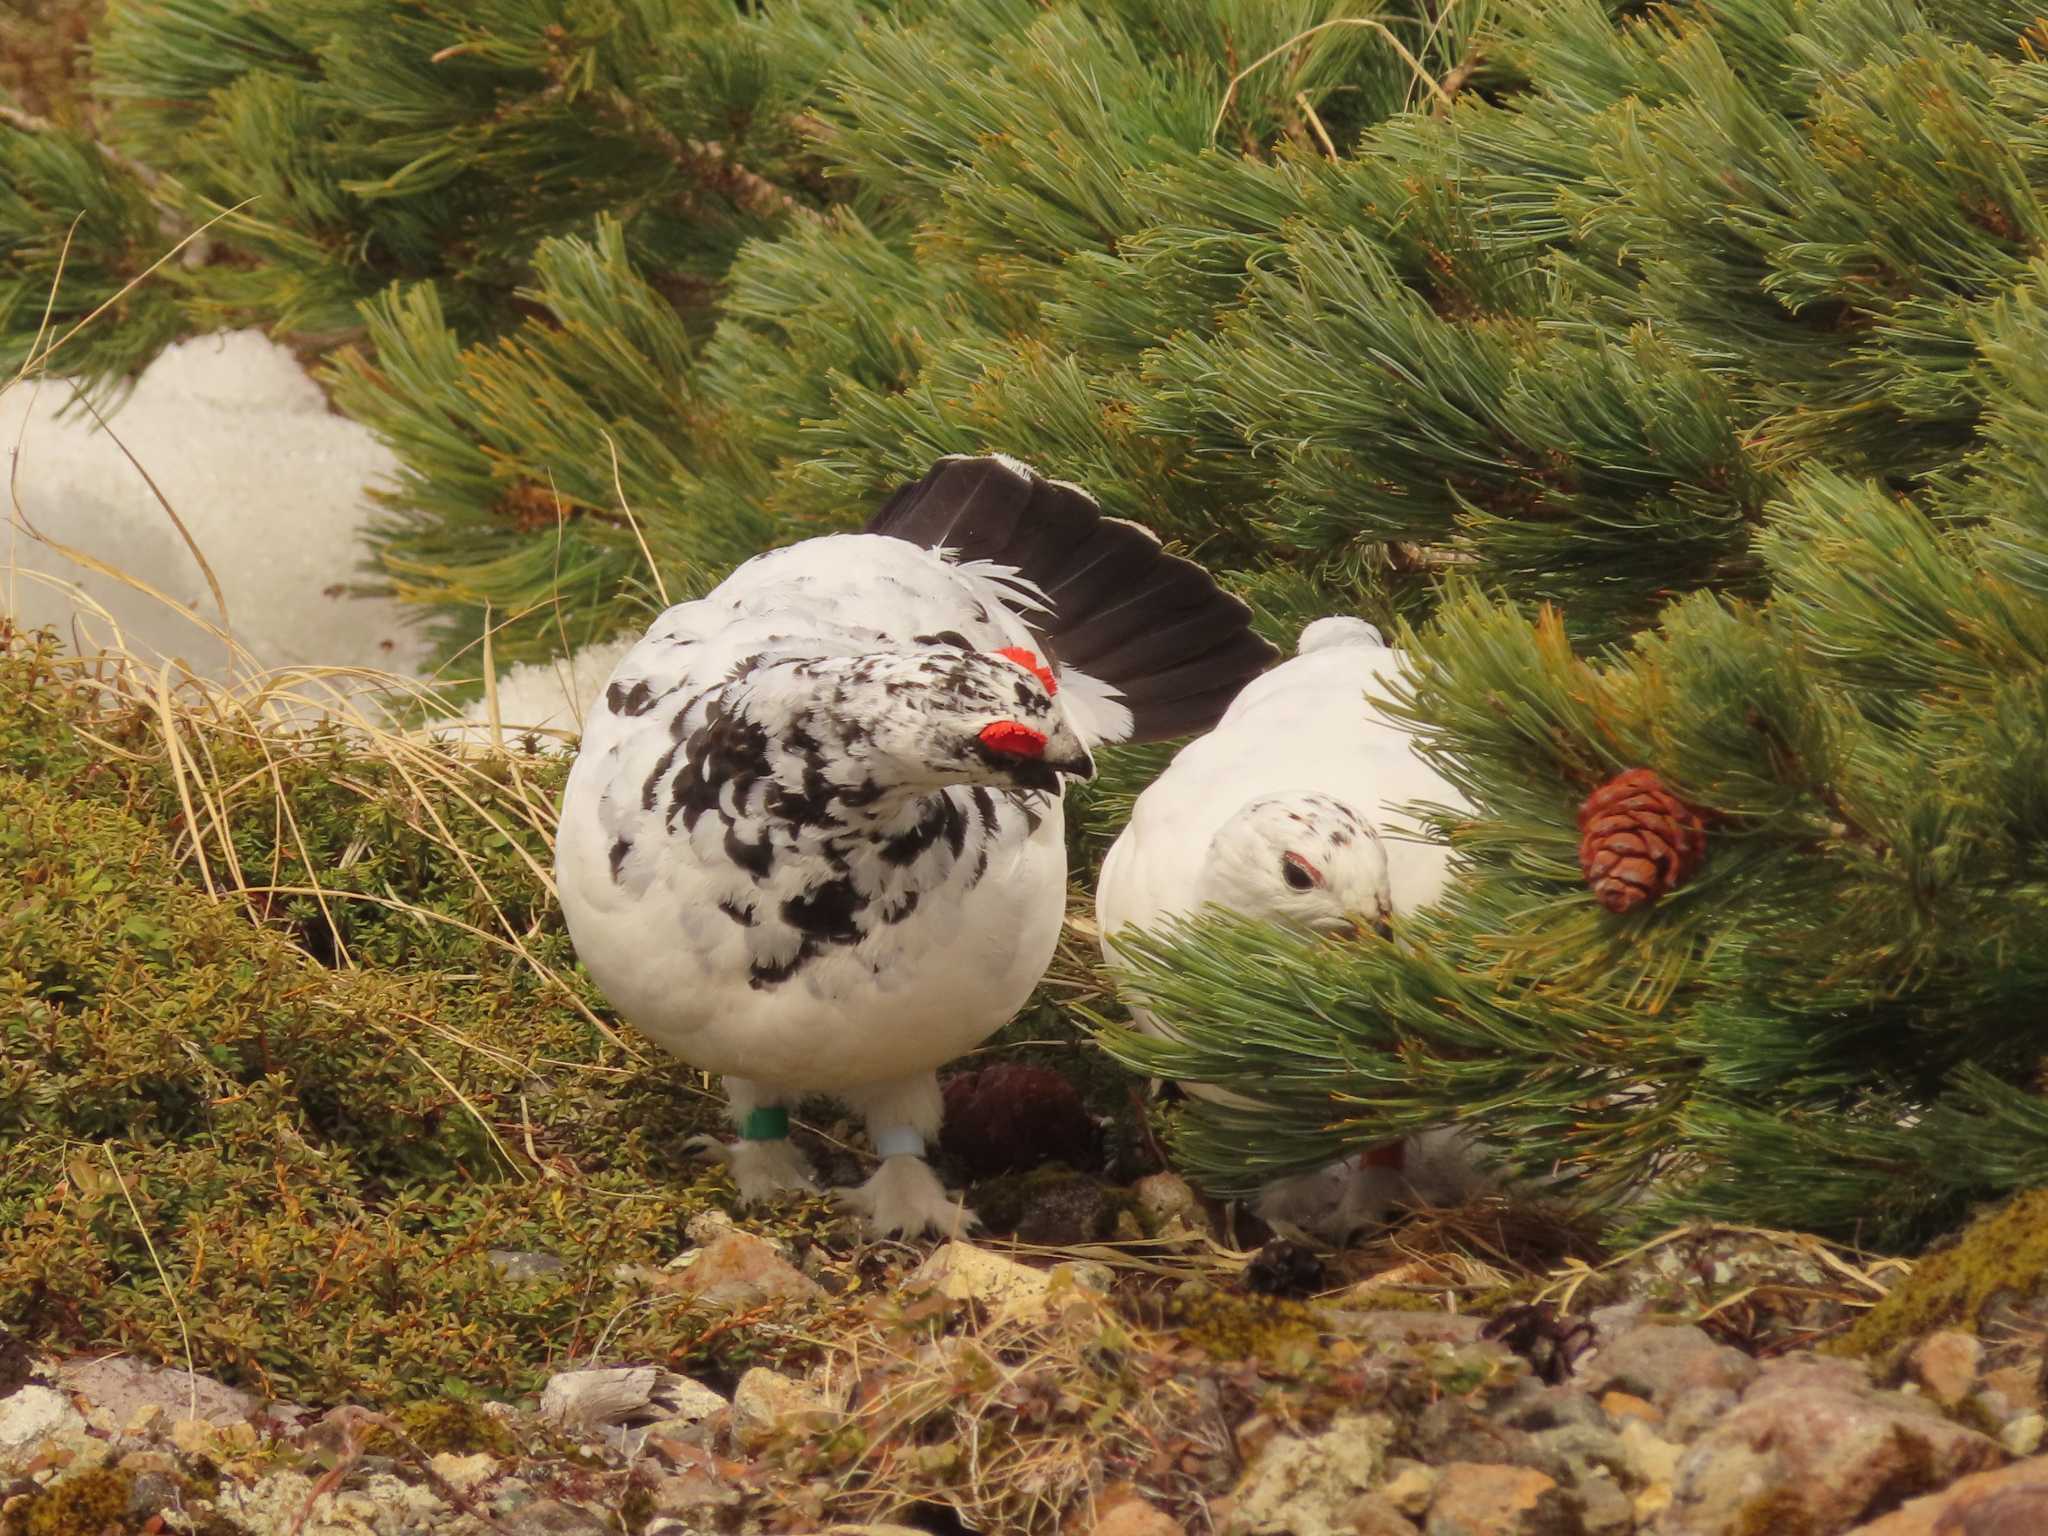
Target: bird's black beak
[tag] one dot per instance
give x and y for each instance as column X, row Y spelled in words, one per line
column 1075, row 765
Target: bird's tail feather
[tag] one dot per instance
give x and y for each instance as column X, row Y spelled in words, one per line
column 1124, row 615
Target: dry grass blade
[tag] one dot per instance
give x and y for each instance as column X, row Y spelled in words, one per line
column 220, row 598
column 170, row 1291
column 660, row 586
column 1369, row 23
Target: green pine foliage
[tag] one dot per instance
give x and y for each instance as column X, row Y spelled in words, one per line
column 1670, row 372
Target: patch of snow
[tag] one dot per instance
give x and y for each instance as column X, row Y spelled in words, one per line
column 271, row 484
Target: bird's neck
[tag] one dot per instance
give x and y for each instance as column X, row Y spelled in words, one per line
column 798, row 742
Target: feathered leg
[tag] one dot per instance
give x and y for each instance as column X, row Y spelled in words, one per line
column 904, row 1197
column 763, row 1162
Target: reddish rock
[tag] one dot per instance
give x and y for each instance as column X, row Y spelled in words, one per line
column 2013, row 1501
column 1488, row 1499
column 1135, row 1516
column 737, row 1271
column 1946, row 1364
column 1663, row 1363
column 1371, row 1515
column 1816, row 1458
column 1623, row 1406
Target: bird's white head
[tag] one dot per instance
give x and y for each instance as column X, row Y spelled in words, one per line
column 947, row 714
column 1306, row 860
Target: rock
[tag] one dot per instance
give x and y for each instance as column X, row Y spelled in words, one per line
column 1453, row 1429
column 1410, row 1485
column 626, row 1396
column 1300, row 1487
column 766, row 1401
column 2019, row 1385
column 1647, row 1456
column 1945, row 1364
column 150, row 1493
column 465, row 1474
column 1574, row 1453
column 1816, row 1458
column 1801, row 1372
column 1164, row 1198
column 2012, row 1501
column 1485, row 1499
column 1663, row 1363
column 1055, row 1208
column 1408, row 1329
column 33, row 1413
column 1622, row 1406
column 1604, row 1509
column 967, row 1273
column 125, row 1386
column 518, row 1266
column 1134, row 1516
column 551, row 1517
column 1372, row 1514
column 2022, row 1435
column 735, row 1271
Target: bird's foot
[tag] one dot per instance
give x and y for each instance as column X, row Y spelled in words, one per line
column 764, row 1168
column 904, row 1198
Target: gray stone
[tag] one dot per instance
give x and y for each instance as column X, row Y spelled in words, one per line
column 31, row 1414
column 766, row 1402
column 1574, row 1453
column 518, row 1266
column 123, row 1385
column 1662, row 1362
column 1301, row 1486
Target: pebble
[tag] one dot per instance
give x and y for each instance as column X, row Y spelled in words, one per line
column 1480, row 1499
column 766, row 1401
column 1946, row 1364
column 31, row 1414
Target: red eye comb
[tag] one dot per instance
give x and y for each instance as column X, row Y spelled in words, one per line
column 1030, row 662
column 1013, row 739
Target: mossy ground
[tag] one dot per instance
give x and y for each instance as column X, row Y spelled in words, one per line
column 1999, row 1264
column 296, row 1169
column 292, row 1043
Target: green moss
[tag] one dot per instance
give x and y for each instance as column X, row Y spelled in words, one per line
column 322, row 1154
column 2000, row 1258
column 84, row 1504
column 453, row 1425
column 1056, row 1207
column 1284, row 1334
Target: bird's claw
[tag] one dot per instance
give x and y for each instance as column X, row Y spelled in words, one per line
column 904, row 1198
column 762, row 1169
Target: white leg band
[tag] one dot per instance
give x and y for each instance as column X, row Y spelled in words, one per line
column 899, row 1141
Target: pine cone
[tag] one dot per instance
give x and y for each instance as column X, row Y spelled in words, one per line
column 1637, row 840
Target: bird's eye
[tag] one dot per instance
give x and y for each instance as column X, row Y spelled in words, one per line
column 1299, row 873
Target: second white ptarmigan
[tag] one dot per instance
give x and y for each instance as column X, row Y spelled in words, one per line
column 1295, row 810
column 812, row 839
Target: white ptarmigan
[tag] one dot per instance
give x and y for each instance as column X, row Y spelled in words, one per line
column 1293, row 810
column 812, row 839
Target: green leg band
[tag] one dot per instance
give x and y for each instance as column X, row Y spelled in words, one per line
column 765, row 1125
